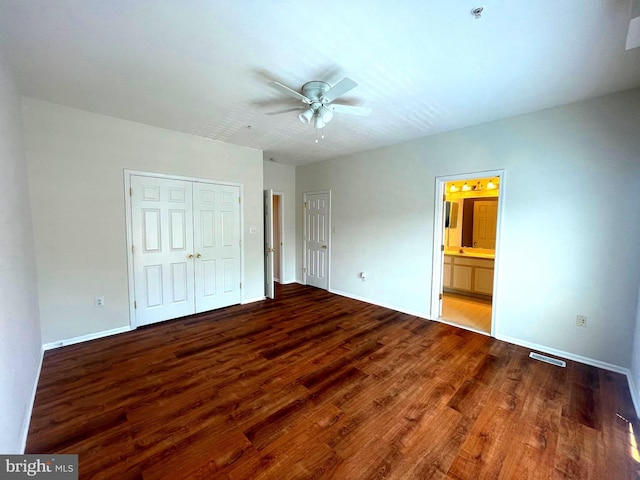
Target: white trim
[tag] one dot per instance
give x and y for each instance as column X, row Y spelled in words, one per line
column 633, row 390
column 130, row 271
column 304, row 240
column 254, row 299
column 561, row 353
column 635, row 394
column 379, row 304
column 438, row 235
column 282, row 232
column 288, row 282
column 26, row 422
column 86, row 338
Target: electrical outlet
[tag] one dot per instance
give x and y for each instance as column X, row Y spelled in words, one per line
column 98, row 301
column 581, row 320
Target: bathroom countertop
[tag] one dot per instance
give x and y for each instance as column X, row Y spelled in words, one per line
column 471, row 254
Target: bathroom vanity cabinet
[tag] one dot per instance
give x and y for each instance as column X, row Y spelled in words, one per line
column 466, row 274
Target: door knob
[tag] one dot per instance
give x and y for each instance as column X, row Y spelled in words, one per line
column 190, row 255
column 324, row 246
column 198, row 256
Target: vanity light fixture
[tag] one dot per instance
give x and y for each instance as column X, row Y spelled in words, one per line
column 466, row 187
column 491, row 185
column 453, row 188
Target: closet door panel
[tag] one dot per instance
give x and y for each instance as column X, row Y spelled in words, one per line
column 217, row 245
column 162, row 227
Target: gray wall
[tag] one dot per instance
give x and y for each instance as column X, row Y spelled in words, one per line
column 20, row 345
column 76, row 161
column 570, row 229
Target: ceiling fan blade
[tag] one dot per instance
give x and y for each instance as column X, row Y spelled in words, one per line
column 287, row 91
column 278, row 112
column 337, row 107
column 339, row 89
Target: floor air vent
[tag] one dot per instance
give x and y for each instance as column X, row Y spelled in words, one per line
column 544, row 358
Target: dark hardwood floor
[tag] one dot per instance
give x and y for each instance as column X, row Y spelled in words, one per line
column 314, row 385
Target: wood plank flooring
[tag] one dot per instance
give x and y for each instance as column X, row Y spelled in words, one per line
column 314, row 385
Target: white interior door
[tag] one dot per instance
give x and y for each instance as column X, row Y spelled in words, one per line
column 216, row 222
column 443, row 239
column 316, row 239
column 277, row 238
column 268, row 244
column 485, row 219
column 162, row 248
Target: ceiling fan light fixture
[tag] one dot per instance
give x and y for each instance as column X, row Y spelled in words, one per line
column 319, row 121
column 306, row 116
column 325, row 113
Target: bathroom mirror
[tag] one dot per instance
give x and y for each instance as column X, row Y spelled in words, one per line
column 471, row 222
column 451, row 215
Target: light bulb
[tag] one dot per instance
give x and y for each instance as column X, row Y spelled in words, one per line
column 306, row 116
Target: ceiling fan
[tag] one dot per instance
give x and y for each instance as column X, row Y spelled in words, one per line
column 318, row 97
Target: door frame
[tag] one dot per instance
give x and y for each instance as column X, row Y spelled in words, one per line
column 438, row 236
column 272, row 194
column 281, row 220
column 304, row 235
column 269, row 251
column 129, row 230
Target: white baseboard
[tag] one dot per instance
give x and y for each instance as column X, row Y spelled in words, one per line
column 86, row 338
column 635, row 397
column 27, row 418
column 380, row 304
column 288, row 282
column 560, row 353
column 633, row 389
column 254, row 299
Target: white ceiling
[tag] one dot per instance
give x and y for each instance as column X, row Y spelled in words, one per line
column 424, row 66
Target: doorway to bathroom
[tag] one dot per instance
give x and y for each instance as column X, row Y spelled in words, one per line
column 466, row 249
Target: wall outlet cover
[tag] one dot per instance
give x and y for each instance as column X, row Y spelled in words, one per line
column 581, row 320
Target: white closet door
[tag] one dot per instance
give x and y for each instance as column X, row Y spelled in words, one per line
column 216, row 220
column 316, row 239
column 162, row 245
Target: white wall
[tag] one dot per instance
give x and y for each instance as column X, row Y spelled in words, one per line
column 20, row 344
column 76, row 161
column 635, row 357
column 282, row 178
column 570, row 172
